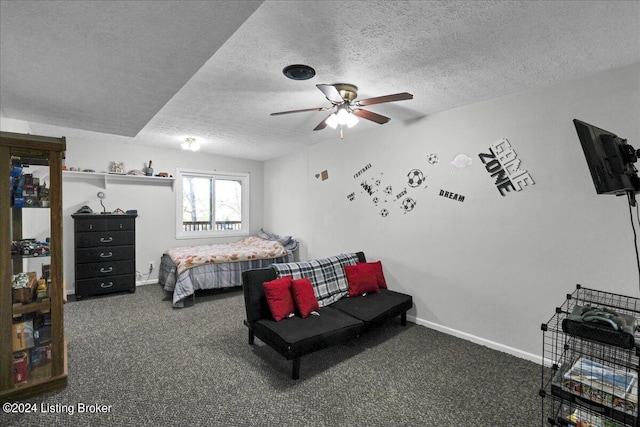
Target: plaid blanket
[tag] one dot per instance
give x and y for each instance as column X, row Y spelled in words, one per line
column 326, row 275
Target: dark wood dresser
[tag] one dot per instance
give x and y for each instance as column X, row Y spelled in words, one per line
column 105, row 253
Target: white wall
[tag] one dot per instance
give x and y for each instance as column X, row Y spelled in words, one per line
column 490, row 268
column 155, row 225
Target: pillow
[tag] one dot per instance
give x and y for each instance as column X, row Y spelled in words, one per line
column 303, row 295
column 360, row 279
column 376, row 269
column 279, row 298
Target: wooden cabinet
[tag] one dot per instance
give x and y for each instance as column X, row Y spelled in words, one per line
column 32, row 341
column 105, row 254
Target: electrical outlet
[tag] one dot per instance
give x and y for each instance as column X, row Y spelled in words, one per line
column 150, row 266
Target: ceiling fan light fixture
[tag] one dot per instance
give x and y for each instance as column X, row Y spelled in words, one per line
column 352, row 120
column 342, row 116
column 332, row 121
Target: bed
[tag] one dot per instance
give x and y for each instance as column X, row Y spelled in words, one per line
column 186, row 269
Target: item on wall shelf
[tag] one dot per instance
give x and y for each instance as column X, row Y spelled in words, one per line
column 148, row 171
column 117, row 168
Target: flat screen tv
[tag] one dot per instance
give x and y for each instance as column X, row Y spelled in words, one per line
column 610, row 160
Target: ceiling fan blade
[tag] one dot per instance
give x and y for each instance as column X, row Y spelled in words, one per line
column 322, row 124
column 331, row 93
column 387, row 98
column 369, row 115
column 300, row 111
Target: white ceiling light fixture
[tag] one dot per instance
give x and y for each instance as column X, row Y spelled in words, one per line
column 190, row 144
column 344, row 117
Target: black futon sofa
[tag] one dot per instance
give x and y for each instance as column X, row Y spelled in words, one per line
column 340, row 321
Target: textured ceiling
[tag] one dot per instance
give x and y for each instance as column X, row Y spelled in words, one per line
column 157, row 72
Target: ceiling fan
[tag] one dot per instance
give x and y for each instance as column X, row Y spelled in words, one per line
column 342, row 97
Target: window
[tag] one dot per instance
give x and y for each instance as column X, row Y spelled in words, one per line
column 211, row 204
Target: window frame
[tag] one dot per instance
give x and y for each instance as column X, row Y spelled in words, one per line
column 243, row 178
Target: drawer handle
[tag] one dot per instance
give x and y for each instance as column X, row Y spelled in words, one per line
column 105, row 270
column 105, row 285
column 103, row 255
column 103, row 240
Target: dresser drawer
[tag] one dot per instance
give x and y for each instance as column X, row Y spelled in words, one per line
column 121, row 224
column 105, row 238
column 105, row 285
column 112, row 253
column 98, row 223
column 105, row 269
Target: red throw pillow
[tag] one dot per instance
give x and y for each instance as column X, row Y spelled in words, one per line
column 279, row 298
column 304, row 297
column 376, row 269
column 360, row 280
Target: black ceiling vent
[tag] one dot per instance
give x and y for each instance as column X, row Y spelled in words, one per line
column 298, row 72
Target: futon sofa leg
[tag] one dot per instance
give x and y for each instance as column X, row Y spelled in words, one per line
column 295, row 370
column 251, row 337
column 403, row 319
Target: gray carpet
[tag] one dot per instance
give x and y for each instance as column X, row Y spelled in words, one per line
column 155, row 365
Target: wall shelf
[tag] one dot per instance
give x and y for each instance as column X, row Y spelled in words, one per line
column 105, row 178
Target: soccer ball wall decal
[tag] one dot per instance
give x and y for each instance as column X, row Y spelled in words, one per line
column 415, row 178
column 408, row 204
column 384, row 213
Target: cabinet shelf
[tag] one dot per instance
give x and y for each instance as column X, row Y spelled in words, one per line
column 31, row 307
column 105, row 178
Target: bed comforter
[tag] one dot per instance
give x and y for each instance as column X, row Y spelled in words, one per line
column 185, row 269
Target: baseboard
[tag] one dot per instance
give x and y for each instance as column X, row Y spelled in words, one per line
column 146, row 282
column 481, row 341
